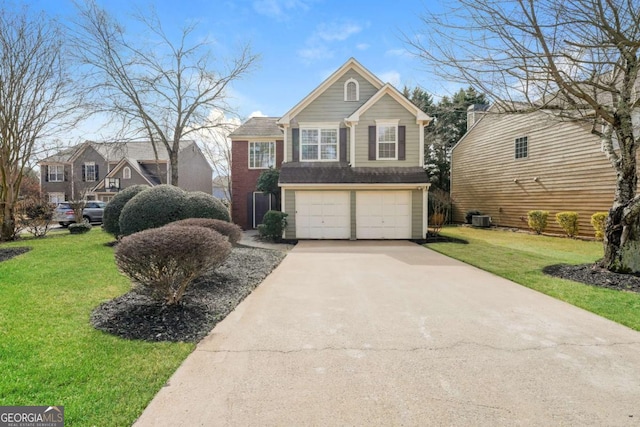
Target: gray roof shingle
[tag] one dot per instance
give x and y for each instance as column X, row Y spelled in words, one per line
column 258, row 127
column 114, row 151
column 341, row 173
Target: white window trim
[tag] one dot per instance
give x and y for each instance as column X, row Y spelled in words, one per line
column 126, row 172
column 352, row 80
column 392, row 123
column 515, row 148
column 319, row 127
column 56, row 174
column 272, row 149
column 86, row 168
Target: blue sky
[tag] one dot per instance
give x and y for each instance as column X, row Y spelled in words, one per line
column 300, row 42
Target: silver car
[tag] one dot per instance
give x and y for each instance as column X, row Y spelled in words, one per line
column 92, row 212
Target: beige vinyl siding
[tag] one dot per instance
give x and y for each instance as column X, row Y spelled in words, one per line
column 387, row 108
column 330, row 106
column 290, row 209
column 417, row 205
column 572, row 173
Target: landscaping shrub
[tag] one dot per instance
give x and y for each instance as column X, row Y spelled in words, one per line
column 598, row 221
column 111, row 215
column 35, row 214
column 79, row 228
column 203, row 205
column 569, row 222
column 537, row 220
column 228, row 229
column 152, row 208
column 436, row 221
column 273, row 224
column 469, row 215
column 164, row 261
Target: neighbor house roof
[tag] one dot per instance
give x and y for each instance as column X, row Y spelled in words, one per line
column 139, row 150
column 341, row 173
column 258, row 127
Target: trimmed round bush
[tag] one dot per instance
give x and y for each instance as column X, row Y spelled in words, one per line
column 273, row 224
column 164, row 261
column 79, row 228
column 537, row 220
column 599, row 223
column 153, row 208
column 228, row 229
column 111, row 215
column 203, row 205
column 568, row 221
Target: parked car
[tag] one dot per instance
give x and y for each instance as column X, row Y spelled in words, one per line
column 92, row 212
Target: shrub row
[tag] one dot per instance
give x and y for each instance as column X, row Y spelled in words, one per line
column 568, row 221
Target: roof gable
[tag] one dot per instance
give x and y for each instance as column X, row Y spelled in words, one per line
column 388, row 89
column 351, row 64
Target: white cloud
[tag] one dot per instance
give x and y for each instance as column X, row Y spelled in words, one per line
column 392, row 77
column 310, row 54
column 363, row 46
column 279, row 9
column 337, row 31
column 257, row 114
column 397, row 52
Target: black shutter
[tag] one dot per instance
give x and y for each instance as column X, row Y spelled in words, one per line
column 65, row 172
column 46, row 173
column 401, row 142
column 343, row 144
column 295, row 142
column 372, row 142
column 97, row 174
column 84, row 173
column 249, row 223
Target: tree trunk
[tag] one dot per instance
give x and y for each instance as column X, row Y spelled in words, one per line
column 8, row 227
column 173, row 159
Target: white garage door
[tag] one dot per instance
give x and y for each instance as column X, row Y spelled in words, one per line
column 383, row 215
column 323, row 215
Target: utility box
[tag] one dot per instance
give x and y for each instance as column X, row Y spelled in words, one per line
column 481, row 221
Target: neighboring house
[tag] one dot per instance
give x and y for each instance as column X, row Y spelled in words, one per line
column 256, row 146
column 353, row 161
column 221, row 188
column 508, row 164
column 98, row 171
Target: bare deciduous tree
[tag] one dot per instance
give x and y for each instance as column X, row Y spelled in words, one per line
column 36, row 99
column 153, row 85
column 578, row 58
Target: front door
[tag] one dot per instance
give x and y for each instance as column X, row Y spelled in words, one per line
column 261, row 204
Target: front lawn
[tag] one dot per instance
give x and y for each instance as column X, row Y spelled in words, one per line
column 521, row 257
column 50, row 354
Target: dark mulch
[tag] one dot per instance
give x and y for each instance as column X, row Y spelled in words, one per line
column 206, row 302
column 8, row 253
column 439, row 238
column 592, row 274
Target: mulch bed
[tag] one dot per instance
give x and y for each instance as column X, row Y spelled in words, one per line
column 206, row 302
column 592, row 274
column 8, row 253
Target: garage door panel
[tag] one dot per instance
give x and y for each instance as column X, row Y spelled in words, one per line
column 323, row 215
column 383, row 215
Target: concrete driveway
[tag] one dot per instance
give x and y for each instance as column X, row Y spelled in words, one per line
column 390, row 334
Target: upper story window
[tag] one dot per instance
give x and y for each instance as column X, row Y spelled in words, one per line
column 318, row 144
column 126, row 173
column 522, row 149
column 387, row 141
column 89, row 172
column 55, row 173
column 351, row 90
column 262, row 155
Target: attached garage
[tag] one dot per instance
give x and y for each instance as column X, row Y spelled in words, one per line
column 383, row 214
column 323, row 214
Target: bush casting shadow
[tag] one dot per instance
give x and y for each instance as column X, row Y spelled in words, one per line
column 210, row 299
column 592, row 274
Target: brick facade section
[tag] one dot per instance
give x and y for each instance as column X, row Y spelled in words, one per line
column 244, row 180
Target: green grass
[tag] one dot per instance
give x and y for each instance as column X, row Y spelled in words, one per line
column 49, row 352
column 520, row 257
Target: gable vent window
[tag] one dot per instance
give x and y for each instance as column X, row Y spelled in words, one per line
column 351, row 90
column 126, row 173
column 522, row 148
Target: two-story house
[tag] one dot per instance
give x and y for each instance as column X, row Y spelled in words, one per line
column 97, row 171
column 353, row 161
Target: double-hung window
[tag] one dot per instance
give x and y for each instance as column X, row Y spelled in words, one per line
column 319, row 144
column 262, row 155
column 387, row 140
column 55, row 173
column 522, row 148
column 90, row 171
